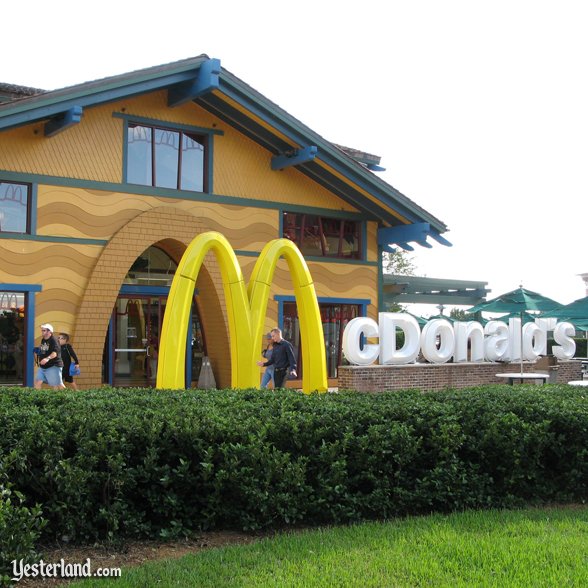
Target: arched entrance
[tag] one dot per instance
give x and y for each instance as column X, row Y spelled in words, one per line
column 132, row 346
column 171, row 230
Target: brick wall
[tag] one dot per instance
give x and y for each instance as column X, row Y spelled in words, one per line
column 428, row 376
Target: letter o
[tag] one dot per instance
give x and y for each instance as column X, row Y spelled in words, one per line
column 443, row 329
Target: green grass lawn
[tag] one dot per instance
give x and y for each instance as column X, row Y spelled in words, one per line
column 527, row 548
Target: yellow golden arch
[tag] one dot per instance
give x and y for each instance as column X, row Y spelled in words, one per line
column 246, row 310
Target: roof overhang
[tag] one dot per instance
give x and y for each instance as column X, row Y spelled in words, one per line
column 203, row 81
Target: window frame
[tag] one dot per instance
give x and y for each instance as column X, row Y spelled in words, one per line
column 201, row 136
column 299, row 227
column 204, row 132
column 29, row 225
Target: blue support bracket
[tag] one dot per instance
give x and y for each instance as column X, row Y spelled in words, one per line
column 207, row 79
column 63, row 121
column 375, row 168
column 295, row 157
column 400, row 235
column 441, row 239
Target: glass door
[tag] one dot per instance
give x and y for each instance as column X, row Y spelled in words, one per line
column 137, row 326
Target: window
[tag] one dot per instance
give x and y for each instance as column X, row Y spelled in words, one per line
column 323, row 236
column 12, row 338
column 153, row 267
column 334, row 318
column 14, row 207
column 166, row 158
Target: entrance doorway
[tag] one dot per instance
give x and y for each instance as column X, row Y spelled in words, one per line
column 13, row 358
column 132, row 350
column 136, row 330
column 137, row 325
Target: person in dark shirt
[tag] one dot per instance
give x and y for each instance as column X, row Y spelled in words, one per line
column 282, row 359
column 50, row 363
column 68, row 356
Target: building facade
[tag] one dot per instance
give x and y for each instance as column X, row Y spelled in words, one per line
column 104, row 185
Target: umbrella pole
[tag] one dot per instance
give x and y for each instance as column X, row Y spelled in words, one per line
column 522, row 311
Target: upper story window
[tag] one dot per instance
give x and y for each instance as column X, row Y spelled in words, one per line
column 324, row 236
column 166, row 158
column 14, row 207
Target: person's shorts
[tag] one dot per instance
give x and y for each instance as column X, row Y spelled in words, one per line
column 51, row 376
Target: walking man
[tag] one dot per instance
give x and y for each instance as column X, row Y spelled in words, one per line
column 282, row 359
column 50, row 363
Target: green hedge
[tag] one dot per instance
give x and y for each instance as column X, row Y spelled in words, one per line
column 139, row 463
column 20, row 528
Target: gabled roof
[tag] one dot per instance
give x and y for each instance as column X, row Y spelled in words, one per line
column 12, row 91
column 209, row 85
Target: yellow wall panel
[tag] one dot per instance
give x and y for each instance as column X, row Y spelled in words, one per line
column 372, row 241
column 93, row 150
column 243, row 168
column 95, row 214
column 63, row 271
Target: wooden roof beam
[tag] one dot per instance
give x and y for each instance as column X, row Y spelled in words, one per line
column 206, row 80
column 294, row 157
column 63, row 121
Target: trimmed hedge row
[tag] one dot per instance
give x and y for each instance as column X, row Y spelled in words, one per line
column 116, row 463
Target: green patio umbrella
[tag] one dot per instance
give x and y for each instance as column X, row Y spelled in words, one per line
column 527, row 318
column 576, row 310
column 518, row 301
column 575, row 313
column 580, row 324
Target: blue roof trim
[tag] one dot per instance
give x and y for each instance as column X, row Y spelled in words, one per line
column 276, row 145
column 46, row 106
column 33, row 109
column 294, row 157
column 206, row 81
column 401, row 234
column 64, row 121
column 289, row 126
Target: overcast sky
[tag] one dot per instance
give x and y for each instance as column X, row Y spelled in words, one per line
column 479, row 110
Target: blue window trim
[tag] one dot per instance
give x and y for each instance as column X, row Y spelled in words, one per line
column 208, row 133
column 29, row 291
column 126, row 289
column 110, row 375
column 33, row 210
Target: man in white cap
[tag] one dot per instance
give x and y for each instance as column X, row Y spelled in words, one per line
column 50, row 363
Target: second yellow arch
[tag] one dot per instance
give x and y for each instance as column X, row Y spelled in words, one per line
column 246, row 311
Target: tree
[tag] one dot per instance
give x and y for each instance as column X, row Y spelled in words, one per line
column 461, row 315
column 398, row 263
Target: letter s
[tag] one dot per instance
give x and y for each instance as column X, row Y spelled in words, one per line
column 563, row 334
